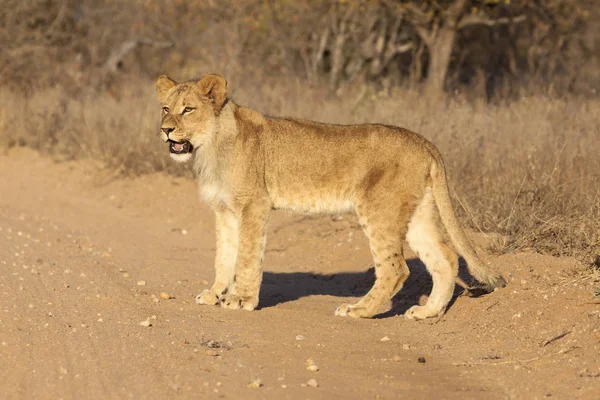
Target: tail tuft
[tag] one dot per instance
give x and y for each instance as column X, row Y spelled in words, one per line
column 493, row 281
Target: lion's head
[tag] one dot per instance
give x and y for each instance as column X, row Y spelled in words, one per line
column 189, row 112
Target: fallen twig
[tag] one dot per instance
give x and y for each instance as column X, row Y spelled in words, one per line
column 568, row 350
column 471, row 363
column 492, row 305
column 555, row 338
column 591, row 302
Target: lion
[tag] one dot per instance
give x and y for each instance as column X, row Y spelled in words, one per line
column 248, row 164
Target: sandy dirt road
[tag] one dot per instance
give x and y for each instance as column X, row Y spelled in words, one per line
column 76, row 248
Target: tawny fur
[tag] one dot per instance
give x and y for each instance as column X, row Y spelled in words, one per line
column 248, row 164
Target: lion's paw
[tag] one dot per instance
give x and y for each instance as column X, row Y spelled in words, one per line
column 349, row 310
column 421, row 312
column 208, row 297
column 235, row 302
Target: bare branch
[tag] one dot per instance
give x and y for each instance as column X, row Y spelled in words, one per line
column 320, row 50
column 477, row 19
column 418, row 15
column 455, row 11
column 425, row 34
column 157, row 44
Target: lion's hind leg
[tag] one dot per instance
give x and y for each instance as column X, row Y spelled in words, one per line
column 385, row 229
column 442, row 263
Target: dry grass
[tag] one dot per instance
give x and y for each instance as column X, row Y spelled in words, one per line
column 527, row 169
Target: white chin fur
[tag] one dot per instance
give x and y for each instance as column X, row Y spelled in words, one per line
column 181, row 157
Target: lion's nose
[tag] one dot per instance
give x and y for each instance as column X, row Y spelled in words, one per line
column 167, row 130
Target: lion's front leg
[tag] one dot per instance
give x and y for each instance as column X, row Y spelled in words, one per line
column 248, row 268
column 227, row 248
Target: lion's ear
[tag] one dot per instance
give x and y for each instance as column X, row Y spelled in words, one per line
column 163, row 85
column 214, row 88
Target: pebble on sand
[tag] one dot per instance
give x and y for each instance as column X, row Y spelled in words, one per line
column 311, row 366
column 256, row 383
column 165, row 296
column 141, row 283
column 312, row 383
column 146, row 323
column 384, row 339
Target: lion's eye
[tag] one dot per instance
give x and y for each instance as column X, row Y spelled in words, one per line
column 187, row 110
column 165, row 110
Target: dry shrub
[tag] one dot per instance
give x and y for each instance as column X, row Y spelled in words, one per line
column 527, row 169
column 117, row 133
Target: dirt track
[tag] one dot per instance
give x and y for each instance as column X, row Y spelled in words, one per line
column 73, row 247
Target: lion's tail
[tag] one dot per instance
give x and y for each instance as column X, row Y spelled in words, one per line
column 476, row 267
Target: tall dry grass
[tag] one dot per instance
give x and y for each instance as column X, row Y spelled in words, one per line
column 527, row 169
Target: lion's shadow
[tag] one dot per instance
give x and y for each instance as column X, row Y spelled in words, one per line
column 281, row 287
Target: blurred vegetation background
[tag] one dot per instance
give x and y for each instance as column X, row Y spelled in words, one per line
column 492, row 47
column 507, row 89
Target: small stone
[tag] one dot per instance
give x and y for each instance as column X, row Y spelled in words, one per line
column 255, row 383
column 146, row 323
column 384, row 339
column 397, row 358
column 184, row 231
column 406, row 346
column 421, row 360
column 312, row 383
column 299, row 337
column 141, row 283
column 311, row 366
column 125, row 275
column 165, row 296
column 283, row 386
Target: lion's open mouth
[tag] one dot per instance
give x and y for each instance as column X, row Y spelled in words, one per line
column 180, row 148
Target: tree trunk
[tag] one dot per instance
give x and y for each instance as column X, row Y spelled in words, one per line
column 439, row 40
column 440, row 52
